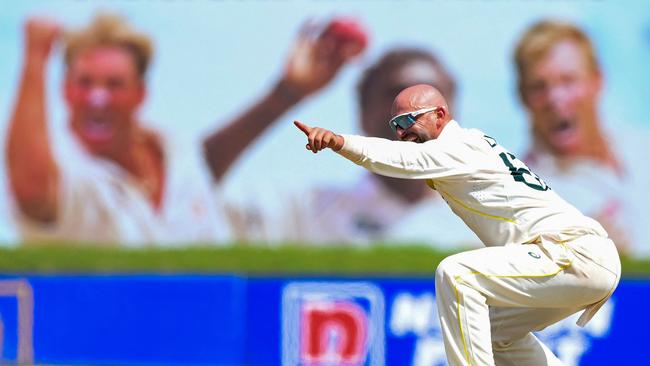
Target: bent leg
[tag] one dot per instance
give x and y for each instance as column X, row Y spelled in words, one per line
column 464, row 320
column 527, row 276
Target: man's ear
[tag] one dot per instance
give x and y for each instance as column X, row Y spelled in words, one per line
column 599, row 81
column 142, row 91
column 441, row 116
column 67, row 87
column 441, row 112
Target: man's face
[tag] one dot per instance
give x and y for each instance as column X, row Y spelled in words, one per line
column 103, row 91
column 423, row 126
column 561, row 93
column 375, row 116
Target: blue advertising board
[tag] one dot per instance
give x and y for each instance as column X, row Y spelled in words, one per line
column 237, row 320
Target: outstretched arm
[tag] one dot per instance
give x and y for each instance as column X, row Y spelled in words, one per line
column 314, row 62
column 33, row 173
column 399, row 159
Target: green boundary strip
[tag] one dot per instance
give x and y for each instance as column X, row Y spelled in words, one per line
column 239, row 258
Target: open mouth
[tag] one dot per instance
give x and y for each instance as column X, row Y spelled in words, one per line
column 97, row 129
column 564, row 133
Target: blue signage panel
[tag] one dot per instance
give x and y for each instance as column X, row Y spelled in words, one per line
column 259, row 321
column 176, row 320
column 283, row 328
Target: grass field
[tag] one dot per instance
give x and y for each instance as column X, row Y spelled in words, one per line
column 245, row 259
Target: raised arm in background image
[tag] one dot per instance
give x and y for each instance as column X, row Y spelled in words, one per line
column 113, row 180
column 543, row 261
column 365, row 212
column 560, row 84
column 320, row 51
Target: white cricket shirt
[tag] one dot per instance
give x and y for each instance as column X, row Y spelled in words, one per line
column 100, row 202
column 491, row 190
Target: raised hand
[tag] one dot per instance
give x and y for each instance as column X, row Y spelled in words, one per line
column 320, row 138
column 317, row 57
column 319, row 54
column 32, row 170
column 40, row 36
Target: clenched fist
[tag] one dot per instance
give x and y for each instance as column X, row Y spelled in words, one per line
column 40, row 36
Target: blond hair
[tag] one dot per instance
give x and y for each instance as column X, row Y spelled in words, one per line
column 542, row 37
column 110, row 30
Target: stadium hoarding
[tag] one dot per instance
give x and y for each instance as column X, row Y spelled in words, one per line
column 238, row 320
column 263, row 185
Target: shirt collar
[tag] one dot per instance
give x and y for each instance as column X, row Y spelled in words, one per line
column 451, row 129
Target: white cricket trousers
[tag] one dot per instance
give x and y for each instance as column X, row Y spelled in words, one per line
column 491, row 299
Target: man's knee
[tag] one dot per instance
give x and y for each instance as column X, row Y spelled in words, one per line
column 447, row 271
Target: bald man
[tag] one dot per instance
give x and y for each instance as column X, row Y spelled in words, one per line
column 543, row 260
column 362, row 212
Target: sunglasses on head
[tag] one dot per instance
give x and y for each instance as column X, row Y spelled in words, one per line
column 406, row 120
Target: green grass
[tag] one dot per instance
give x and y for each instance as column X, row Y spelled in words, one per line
column 244, row 259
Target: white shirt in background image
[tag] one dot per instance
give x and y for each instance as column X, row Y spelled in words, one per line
column 100, row 202
column 619, row 200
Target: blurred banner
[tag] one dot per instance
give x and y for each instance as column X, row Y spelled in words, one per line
column 255, row 321
column 215, row 85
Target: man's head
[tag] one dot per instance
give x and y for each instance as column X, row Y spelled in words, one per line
column 396, row 70
column 380, row 84
column 559, row 82
column 419, row 113
column 104, row 84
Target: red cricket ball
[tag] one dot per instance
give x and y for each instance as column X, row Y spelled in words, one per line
column 347, row 32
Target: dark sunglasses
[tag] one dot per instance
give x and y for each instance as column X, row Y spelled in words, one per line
column 406, row 120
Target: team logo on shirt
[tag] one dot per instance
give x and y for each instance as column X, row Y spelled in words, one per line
column 534, row 255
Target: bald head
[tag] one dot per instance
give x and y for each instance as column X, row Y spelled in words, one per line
column 418, row 97
column 431, row 117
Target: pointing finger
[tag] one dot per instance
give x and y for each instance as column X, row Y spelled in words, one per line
column 302, row 127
